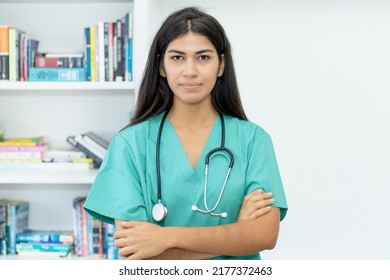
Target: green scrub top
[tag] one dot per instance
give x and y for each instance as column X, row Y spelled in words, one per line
column 126, row 185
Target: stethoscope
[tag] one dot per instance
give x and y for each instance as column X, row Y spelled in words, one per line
column 159, row 211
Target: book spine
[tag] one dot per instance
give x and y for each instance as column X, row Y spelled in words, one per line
column 77, row 226
column 87, row 55
column 20, row 155
column 32, row 49
column 91, row 148
column 57, row 74
column 101, row 51
column 111, row 51
column 119, row 46
column 106, row 43
column 22, row 55
column 91, row 143
column 97, row 161
column 3, row 226
column 4, row 53
column 12, row 54
column 16, row 148
column 92, row 31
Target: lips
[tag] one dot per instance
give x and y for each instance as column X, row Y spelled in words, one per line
column 190, row 85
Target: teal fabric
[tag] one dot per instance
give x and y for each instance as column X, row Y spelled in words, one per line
column 126, row 185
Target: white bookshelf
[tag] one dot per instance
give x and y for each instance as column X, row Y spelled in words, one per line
column 60, row 109
column 26, row 176
column 54, row 86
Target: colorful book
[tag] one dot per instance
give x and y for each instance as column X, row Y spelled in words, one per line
column 46, row 236
column 24, row 148
column 27, row 141
column 87, row 54
column 17, row 222
column 56, row 74
column 28, row 249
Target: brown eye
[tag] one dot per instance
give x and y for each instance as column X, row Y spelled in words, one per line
column 177, row 57
column 203, row 57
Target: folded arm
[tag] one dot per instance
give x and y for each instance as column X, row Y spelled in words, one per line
column 141, row 240
column 181, row 242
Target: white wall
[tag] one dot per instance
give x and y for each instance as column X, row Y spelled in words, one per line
column 315, row 74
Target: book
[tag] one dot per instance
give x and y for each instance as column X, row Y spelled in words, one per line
column 26, row 141
column 24, row 148
column 91, row 146
column 90, row 136
column 92, row 37
column 3, row 227
column 46, row 236
column 62, row 155
column 129, row 47
column 32, row 49
column 17, row 222
column 4, row 53
column 56, row 249
column 56, row 74
column 13, row 54
column 96, row 159
column 59, row 60
column 87, row 53
column 20, row 155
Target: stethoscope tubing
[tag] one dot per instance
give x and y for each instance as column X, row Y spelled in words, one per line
column 222, row 148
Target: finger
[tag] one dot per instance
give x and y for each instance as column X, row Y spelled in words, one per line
column 260, row 212
column 258, row 198
column 254, row 206
column 121, row 233
column 130, row 224
column 120, row 243
column 126, row 251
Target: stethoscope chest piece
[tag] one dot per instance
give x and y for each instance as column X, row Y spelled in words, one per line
column 159, row 212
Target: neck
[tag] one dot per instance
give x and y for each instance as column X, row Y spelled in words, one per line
column 192, row 116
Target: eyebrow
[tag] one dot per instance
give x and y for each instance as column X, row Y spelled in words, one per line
column 198, row 52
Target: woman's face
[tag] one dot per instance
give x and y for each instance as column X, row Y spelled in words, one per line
column 191, row 66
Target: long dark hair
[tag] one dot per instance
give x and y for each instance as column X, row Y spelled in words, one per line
column 155, row 95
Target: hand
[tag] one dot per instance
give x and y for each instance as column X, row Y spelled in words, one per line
column 140, row 240
column 255, row 204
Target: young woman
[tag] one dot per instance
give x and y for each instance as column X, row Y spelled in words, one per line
column 190, row 177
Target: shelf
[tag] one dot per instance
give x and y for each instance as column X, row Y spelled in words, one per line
column 25, row 176
column 5, row 85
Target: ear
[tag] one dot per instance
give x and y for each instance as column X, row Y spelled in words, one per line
column 221, row 66
column 162, row 72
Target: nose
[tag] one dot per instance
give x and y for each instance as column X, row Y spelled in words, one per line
column 190, row 68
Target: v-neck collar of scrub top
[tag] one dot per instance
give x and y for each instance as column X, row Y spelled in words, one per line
column 170, row 139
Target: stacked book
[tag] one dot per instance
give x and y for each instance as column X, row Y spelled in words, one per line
column 58, row 67
column 91, row 144
column 34, row 153
column 13, row 220
column 44, row 243
column 93, row 238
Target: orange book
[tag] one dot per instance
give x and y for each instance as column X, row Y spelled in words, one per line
column 4, row 53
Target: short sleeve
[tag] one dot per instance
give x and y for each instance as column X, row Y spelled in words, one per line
column 263, row 171
column 116, row 192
